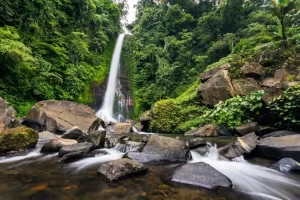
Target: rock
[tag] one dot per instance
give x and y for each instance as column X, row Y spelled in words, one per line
column 265, row 131
column 272, row 92
column 243, row 87
column 98, row 138
column 281, row 133
column 223, row 131
column 145, row 120
column 279, row 147
column 135, row 146
column 217, row 88
column 60, row 116
column 46, row 136
column 138, row 126
column 12, row 139
column 7, row 116
column 79, row 155
column 121, row 169
column 56, row 144
column 97, row 125
column 209, row 130
column 160, row 148
column 210, row 73
column 241, row 146
column 111, row 141
column 195, row 143
column 122, row 128
column 254, row 70
column 74, row 133
column 247, row 128
column 80, row 147
column 286, row 165
column 202, row 175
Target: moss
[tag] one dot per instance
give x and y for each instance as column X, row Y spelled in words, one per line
column 18, row 138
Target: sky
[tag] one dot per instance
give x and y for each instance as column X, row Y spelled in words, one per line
column 131, row 11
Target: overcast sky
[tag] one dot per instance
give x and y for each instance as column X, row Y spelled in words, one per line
column 131, row 11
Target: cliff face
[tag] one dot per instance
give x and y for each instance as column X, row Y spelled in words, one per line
column 124, row 100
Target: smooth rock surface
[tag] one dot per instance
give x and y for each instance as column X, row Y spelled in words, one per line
column 60, row 116
column 46, row 136
column 202, row 175
column 217, row 88
column 210, row 73
column 98, row 138
column 122, row 128
column 247, row 128
column 279, row 147
column 253, row 69
column 121, row 169
column 74, row 133
column 84, row 147
column 56, row 144
column 286, row 165
column 281, row 133
column 160, row 148
column 209, row 130
column 241, row 146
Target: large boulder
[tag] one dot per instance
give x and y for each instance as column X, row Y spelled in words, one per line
column 98, row 138
column 56, row 144
column 241, row 146
column 210, row 73
column 202, row 175
column 217, row 88
column 7, row 116
column 254, row 70
column 281, row 133
column 18, row 138
column 160, row 148
column 74, row 133
column 47, row 136
column 61, row 116
column 209, row 130
column 121, row 169
column 122, row 128
column 243, row 87
column 279, row 147
column 286, row 165
column 247, row 128
column 84, row 147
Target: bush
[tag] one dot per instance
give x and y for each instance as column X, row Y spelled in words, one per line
column 285, row 109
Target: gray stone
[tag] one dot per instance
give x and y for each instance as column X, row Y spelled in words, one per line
column 46, row 136
column 243, row 87
column 202, row 175
column 121, row 169
column 7, row 116
column 209, row 130
column 253, row 69
column 286, row 165
column 123, row 128
column 281, row 133
column 56, row 144
column 247, row 128
column 80, row 147
column 98, row 138
column 210, row 73
column 74, row 133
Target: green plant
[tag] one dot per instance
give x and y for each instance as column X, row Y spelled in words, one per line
column 285, row 109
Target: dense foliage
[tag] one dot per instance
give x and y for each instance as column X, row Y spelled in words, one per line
column 54, row 49
column 285, row 109
column 173, row 41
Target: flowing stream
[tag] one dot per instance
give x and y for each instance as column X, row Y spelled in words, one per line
column 106, row 110
column 252, row 179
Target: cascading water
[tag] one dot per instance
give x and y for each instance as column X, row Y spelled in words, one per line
column 106, row 111
column 252, row 179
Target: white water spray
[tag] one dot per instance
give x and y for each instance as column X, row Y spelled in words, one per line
column 106, row 111
column 253, row 179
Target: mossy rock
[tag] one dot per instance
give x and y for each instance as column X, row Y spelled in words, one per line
column 18, row 138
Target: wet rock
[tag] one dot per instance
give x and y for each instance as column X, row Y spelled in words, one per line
column 84, row 147
column 56, row 144
column 60, row 116
column 243, row 87
column 265, row 131
column 217, row 88
column 223, row 131
column 72, row 156
column 202, row 175
column 241, row 146
column 209, row 130
column 135, row 146
column 247, row 128
column 18, row 138
column 74, row 133
column 160, row 148
column 279, row 147
column 46, row 136
column 145, row 139
column 281, row 133
column 286, row 165
column 121, row 169
column 122, row 128
column 254, row 70
column 138, row 126
column 195, row 143
column 98, row 138
column 111, row 141
column 8, row 115
column 210, row 73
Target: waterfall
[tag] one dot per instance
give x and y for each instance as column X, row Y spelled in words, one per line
column 106, row 110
